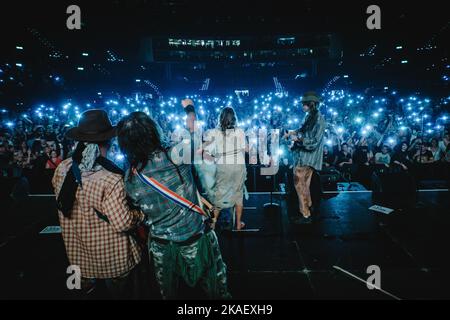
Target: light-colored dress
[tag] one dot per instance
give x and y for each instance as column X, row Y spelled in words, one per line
column 229, row 150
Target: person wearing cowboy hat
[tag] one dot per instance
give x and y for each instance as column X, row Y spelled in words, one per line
column 308, row 153
column 93, row 211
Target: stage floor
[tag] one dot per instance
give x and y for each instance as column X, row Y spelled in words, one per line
column 281, row 260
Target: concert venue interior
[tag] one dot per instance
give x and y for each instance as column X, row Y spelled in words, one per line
column 381, row 89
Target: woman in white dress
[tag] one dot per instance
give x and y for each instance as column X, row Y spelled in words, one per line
column 227, row 146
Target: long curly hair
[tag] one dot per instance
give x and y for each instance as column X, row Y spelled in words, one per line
column 140, row 139
column 311, row 118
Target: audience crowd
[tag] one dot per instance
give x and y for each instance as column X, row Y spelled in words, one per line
column 365, row 133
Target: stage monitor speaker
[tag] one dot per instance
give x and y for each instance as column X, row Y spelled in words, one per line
column 394, row 190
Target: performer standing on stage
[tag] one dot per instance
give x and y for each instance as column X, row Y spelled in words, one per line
column 307, row 153
column 228, row 148
column 93, row 211
column 180, row 244
column 203, row 172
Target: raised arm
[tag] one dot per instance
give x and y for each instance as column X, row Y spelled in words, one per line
column 189, row 108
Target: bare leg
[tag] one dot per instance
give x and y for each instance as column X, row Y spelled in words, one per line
column 239, row 212
column 216, row 213
column 215, row 217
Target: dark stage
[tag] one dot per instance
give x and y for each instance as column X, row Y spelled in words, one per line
column 281, row 260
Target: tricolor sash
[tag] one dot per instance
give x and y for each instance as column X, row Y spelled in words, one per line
column 169, row 194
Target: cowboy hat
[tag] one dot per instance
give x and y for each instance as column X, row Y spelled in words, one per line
column 93, row 126
column 311, row 96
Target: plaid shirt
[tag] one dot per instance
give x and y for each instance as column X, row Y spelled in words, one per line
column 102, row 250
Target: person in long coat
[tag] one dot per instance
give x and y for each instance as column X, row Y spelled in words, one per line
column 307, row 152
